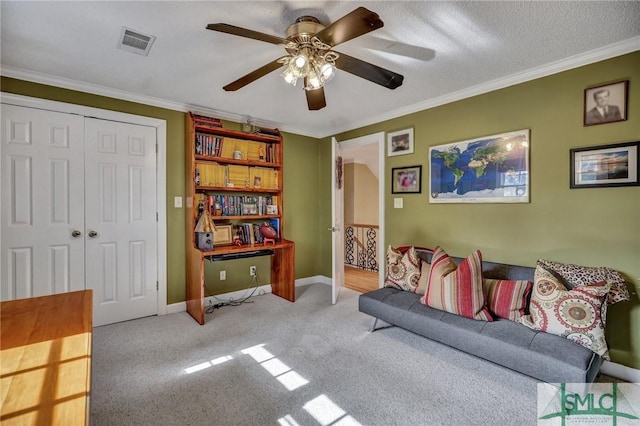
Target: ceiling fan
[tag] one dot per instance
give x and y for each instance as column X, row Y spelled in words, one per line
column 310, row 55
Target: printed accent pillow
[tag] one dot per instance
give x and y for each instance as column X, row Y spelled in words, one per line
column 457, row 289
column 424, row 275
column 507, row 298
column 578, row 314
column 403, row 270
column 572, row 276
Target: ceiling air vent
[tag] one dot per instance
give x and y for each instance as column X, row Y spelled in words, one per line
column 135, row 42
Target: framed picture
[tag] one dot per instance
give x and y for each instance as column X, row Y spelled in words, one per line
column 606, row 103
column 222, row 235
column 400, row 142
column 272, row 209
column 249, row 208
column 490, row 169
column 406, row 180
column 605, row 166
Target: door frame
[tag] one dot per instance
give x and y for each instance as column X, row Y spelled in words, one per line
column 370, row 139
column 161, row 166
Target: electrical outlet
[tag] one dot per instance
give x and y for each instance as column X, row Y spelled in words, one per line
column 252, row 271
column 223, row 275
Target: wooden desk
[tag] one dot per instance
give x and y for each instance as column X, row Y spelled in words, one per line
column 282, row 272
column 45, row 359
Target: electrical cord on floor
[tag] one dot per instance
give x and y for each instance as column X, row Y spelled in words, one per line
column 253, row 286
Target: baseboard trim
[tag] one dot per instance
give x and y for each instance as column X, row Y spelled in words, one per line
column 175, row 308
column 317, row 279
column 620, row 371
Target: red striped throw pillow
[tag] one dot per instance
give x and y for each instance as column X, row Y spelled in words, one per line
column 458, row 289
column 507, row 298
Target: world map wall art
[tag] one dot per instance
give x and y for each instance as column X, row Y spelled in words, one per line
column 490, row 169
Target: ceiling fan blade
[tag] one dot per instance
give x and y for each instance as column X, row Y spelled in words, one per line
column 350, row 26
column 397, row 48
column 243, row 32
column 253, row 75
column 374, row 73
column 315, row 99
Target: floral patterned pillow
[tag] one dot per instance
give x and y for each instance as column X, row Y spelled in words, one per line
column 572, row 276
column 403, row 270
column 578, row 314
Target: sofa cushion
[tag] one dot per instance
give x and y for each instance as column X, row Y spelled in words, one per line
column 573, row 314
column 510, row 344
column 457, row 288
column 425, row 267
column 572, row 276
column 403, row 270
column 507, row 299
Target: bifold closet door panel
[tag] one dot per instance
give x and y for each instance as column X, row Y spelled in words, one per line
column 121, row 243
column 42, row 194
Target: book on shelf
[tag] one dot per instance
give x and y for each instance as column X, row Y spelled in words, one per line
column 267, row 131
column 226, row 147
column 238, row 175
column 275, row 224
column 240, row 205
column 210, row 174
column 256, row 151
column 201, row 120
column 257, row 234
column 207, row 144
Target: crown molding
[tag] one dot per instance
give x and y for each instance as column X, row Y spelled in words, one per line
column 586, row 58
column 95, row 89
column 592, row 56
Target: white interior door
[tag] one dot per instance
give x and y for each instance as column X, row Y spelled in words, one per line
column 121, row 215
column 42, row 190
column 337, row 219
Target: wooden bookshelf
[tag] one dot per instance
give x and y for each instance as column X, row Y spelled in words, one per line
column 232, row 170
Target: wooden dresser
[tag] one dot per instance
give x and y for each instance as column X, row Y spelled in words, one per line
column 45, row 360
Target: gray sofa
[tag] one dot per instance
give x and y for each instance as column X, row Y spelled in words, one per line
column 543, row 356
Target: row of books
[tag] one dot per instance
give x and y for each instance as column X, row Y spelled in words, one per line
column 249, row 233
column 235, row 176
column 240, row 149
column 201, row 120
column 237, row 205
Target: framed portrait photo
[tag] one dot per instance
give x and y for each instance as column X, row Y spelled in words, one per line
column 605, row 166
column 605, row 103
column 406, row 180
column 400, row 142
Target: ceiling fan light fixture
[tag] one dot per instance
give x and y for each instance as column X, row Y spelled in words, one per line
column 315, row 65
column 314, row 81
column 300, row 61
column 328, row 70
column 289, row 77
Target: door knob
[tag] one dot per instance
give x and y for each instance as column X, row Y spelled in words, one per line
column 93, row 234
column 76, row 233
column 334, row 229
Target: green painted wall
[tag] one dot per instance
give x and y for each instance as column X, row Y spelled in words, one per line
column 301, row 180
column 594, row 227
column 585, row 226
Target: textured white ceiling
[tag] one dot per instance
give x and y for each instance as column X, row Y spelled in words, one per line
column 445, row 50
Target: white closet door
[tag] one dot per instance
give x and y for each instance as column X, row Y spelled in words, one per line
column 42, row 192
column 121, row 243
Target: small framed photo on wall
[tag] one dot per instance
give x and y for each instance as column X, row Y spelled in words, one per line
column 605, row 166
column 400, row 142
column 406, row 180
column 606, row 103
